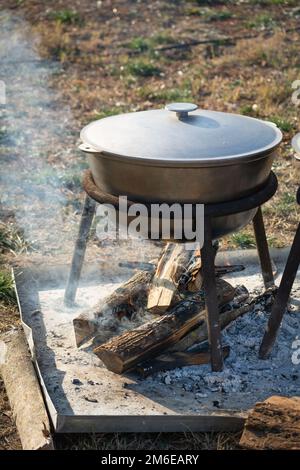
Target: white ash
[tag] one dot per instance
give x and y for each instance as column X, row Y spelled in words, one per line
column 187, row 391
column 244, row 371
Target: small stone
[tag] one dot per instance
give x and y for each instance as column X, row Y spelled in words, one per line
column 216, row 403
column 92, row 400
column 77, row 382
column 168, row 380
column 201, row 395
column 91, row 382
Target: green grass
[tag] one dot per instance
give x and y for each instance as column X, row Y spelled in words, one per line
column 286, row 205
column 148, row 44
column 191, row 10
column 261, row 21
column 243, row 240
column 274, row 2
column 220, row 15
column 208, row 14
column 143, row 68
column 159, row 39
column 283, row 124
column 7, row 293
column 66, row 16
column 106, row 112
column 210, row 2
column 172, row 94
column 139, row 44
column 247, row 110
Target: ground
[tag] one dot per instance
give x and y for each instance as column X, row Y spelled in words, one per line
column 65, row 63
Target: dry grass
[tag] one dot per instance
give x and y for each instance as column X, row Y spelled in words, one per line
column 254, row 77
column 153, row 441
column 9, row 439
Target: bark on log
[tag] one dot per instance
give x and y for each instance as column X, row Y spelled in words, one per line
column 200, row 334
column 172, row 264
column 177, row 359
column 24, row 393
column 124, row 301
column 132, row 347
column 273, row 424
column 193, row 281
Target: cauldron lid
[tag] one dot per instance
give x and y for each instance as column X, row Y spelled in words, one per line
column 181, row 134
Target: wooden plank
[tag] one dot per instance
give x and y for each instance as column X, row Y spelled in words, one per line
column 273, row 424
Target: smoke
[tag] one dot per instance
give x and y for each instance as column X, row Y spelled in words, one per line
column 37, row 139
column 39, row 160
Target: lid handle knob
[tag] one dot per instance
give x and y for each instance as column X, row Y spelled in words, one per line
column 181, row 109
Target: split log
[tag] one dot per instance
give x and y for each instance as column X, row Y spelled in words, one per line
column 200, row 334
column 24, row 393
column 177, row 359
column 193, row 280
column 273, row 425
column 124, row 301
column 172, row 264
column 132, row 347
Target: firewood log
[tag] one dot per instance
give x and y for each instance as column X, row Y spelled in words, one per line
column 132, row 347
column 24, row 392
column 193, row 279
column 200, row 334
column 247, row 303
column 177, row 359
column 172, row 264
column 124, row 301
column 273, row 424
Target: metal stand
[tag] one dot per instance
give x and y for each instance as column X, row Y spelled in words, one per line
column 207, row 252
column 79, row 250
column 263, row 249
column 211, row 300
column 282, row 296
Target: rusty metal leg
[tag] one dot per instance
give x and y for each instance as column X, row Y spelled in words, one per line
column 210, row 288
column 79, row 250
column 263, row 249
column 282, row 297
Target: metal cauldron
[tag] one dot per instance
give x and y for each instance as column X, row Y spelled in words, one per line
column 182, row 154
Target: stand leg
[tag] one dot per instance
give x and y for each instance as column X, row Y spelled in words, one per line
column 212, row 309
column 79, row 250
column 263, row 249
column 282, row 297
